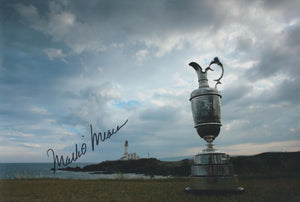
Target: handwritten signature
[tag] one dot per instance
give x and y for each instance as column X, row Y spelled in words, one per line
column 58, row 161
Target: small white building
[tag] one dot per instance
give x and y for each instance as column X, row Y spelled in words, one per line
column 127, row 156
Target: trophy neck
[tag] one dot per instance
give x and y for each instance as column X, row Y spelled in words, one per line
column 202, row 79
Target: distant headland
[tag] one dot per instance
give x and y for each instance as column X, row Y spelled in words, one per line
column 270, row 164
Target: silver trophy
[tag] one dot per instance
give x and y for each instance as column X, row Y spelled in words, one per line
column 211, row 170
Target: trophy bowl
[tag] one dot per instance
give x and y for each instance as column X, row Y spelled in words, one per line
column 206, row 109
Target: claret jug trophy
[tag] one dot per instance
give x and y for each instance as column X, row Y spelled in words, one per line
column 211, row 169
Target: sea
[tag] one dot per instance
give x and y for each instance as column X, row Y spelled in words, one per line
column 43, row 170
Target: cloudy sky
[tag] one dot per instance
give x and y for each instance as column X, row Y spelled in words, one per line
column 67, row 64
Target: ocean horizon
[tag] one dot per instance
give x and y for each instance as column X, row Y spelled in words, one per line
column 43, row 170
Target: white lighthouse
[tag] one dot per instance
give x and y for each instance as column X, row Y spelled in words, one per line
column 129, row 156
column 126, row 148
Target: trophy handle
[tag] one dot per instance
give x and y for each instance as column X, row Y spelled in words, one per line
column 216, row 61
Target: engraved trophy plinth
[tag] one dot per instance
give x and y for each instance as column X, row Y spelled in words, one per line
column 211, row 170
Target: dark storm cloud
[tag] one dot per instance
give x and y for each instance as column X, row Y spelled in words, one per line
column 76, row 23
column 236, row 93
column 292, row 38
column 275, row 59
column 244, row 44
column 31, row 81
column 271, row 62
column 288, row 9
column 150, row 16
column 287, row 91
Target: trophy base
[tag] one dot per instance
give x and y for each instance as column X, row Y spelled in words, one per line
column 238, row 190
column 212, row 172
column 228, row 184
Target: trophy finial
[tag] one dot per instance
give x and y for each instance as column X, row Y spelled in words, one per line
column 202, row 75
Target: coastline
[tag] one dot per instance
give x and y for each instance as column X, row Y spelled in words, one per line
column 264, row 165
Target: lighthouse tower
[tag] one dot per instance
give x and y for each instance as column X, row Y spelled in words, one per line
column 129, row 156
column 126, row 148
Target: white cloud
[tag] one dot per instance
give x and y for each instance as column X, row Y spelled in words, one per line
column 100, row 69
column 53, row 53
column 235, row 123
column 14, row 134
column 62, row 26
column 59, row 24
column 141, row 54
column 30, row 12
column 30, row 145
column 165, row 44
column 39, row 110
column 179, row 80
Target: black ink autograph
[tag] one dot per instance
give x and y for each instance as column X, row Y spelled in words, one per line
column 60, row 161
column 105, row 135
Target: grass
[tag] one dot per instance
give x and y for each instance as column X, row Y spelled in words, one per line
column 278, row 189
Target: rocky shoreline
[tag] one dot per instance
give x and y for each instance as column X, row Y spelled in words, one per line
column 149, row 166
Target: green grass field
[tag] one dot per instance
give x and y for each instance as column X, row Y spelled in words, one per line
column 285, row 189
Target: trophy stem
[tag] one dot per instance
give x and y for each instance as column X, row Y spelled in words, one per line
column 209, row 147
